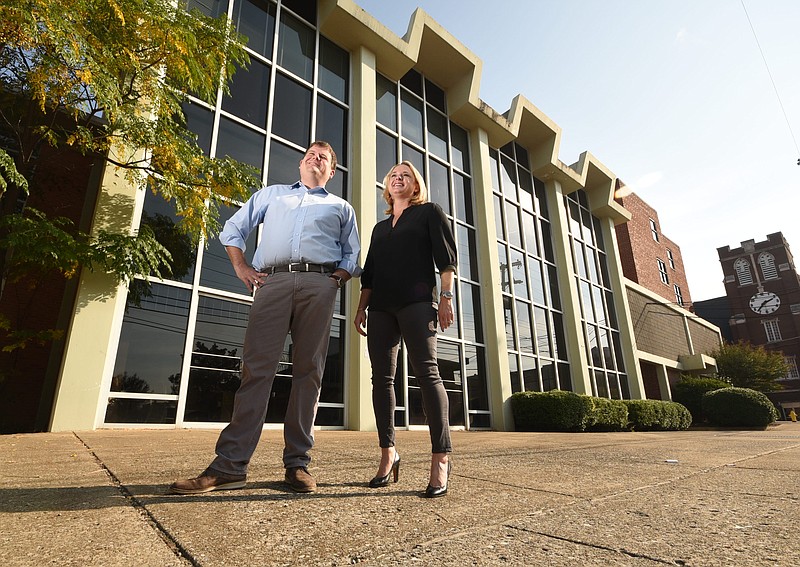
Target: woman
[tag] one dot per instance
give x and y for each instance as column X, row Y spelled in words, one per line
column 399, row 288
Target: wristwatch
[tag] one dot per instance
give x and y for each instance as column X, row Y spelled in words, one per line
column 338, row 278
column 447, row 294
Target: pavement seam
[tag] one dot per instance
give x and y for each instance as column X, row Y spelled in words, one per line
column 175, row 546
column 594, row 545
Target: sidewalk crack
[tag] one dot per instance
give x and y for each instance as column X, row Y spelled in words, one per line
column 145, row 514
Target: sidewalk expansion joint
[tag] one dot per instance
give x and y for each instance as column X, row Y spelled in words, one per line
column 134, row 502
column 594, row 545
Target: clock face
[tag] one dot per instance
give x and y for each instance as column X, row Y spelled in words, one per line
column 765, row 302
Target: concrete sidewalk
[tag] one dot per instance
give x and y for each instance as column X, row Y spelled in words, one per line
column 722, row 497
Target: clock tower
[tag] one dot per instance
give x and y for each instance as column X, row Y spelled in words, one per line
column 763, row 290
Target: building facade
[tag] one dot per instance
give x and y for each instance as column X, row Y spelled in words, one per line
column 542, row 301
column 763, row 290
column 648, row 257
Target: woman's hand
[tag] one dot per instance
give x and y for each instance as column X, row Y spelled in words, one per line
column 446, row 315
column 360, row 321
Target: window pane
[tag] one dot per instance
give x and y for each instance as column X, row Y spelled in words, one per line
column 121, row 410
column 530, row 376
column 548, row 376
column 150, row 353
column 434, row 96
column 472, row 322
column 467, row 261
column 283, row 164
column 161, row 217
column 529, row 228
column 386, row 111
column 303, row 8
column 512, row 225
column 547, row 242
column 211, row 8
column 541, row 201
column 509, row 320
column 296, row 47
column 249, row 94
column 463, row 193
column 537, row 282
column 498, row 217
column 513, row 371
column 475, row 359
column 334, row 69
column 494, row 169
column 216, row 354
column 256, row 20
column 552, row 279
column 518, row 279
column 415, row 157
column 240, row 143
column 460, row 148
column 333, row 378
column 542, row 332
column 386, row 155
column 508, row 172
column 217, row 271
column 200, row 121
column 332, row 127
column 437, row 133
column 411, row 113
column 525, row 190
column 439, row 186
column 413, row 82
column 291, row 116
column 524, row 328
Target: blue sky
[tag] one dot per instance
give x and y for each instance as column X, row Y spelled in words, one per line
column 673, row 96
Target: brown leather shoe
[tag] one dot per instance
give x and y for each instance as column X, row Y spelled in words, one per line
column 207, row 481
column 300, row 480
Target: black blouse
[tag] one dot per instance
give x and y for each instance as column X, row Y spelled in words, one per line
column 400, row 264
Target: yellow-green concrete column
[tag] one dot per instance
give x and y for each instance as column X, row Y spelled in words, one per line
column 498, row 376
column 570, row 303
column 92, row 336
column 358, row 403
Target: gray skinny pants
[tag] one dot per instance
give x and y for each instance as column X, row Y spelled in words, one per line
column 301, row 303
column 416, row 324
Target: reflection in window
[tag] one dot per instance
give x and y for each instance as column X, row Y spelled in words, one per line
column 334, row 69
column 332, row 127
column 241, row 143
column 249, row 90
column 293, row 122
column 217, row 271
column 296, row 47
column 255, row 19
column 150, row 351
column 161, row 217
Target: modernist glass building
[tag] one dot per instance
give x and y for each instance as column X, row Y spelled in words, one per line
column 541, row 302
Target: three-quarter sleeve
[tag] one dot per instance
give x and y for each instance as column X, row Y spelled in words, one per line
column 442, row 241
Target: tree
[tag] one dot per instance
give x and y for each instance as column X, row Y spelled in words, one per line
column 107, row 79
column 748, row 366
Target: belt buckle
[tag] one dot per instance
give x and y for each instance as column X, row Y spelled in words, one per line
column 297, row 267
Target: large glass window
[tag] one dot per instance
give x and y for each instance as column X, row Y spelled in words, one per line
column 418, row 129
column 603, row 352
column 180, row 346
column 534, row 324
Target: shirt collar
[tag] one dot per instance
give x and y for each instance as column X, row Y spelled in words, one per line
column 300, row 184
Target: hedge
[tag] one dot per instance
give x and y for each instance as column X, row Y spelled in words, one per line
column 657, row 415
column 738, row 407
column 689, row 392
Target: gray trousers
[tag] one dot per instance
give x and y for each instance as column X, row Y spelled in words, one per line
column 301, row 303
column 416, row 324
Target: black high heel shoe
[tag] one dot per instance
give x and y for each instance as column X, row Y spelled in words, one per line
column 437, row 491
column 381, row 481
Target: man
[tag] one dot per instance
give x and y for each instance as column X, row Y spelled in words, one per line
column 308, row 249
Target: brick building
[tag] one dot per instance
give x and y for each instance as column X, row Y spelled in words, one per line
column 648, row 257
column 763, row 290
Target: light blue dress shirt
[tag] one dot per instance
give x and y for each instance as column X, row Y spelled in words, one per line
column 300, row 225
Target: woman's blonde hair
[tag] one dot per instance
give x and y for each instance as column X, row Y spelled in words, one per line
column 421, row 196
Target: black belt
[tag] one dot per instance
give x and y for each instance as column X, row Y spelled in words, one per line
column 300, row 267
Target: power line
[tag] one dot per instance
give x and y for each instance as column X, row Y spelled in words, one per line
column 774, row 86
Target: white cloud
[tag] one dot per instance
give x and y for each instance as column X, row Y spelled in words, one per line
column 648, row 180
column 682, row 36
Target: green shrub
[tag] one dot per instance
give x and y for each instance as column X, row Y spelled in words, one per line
column 607, row 415
column 738, row 407
column 657, row 415
column 556, row 410
column 689, row 393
